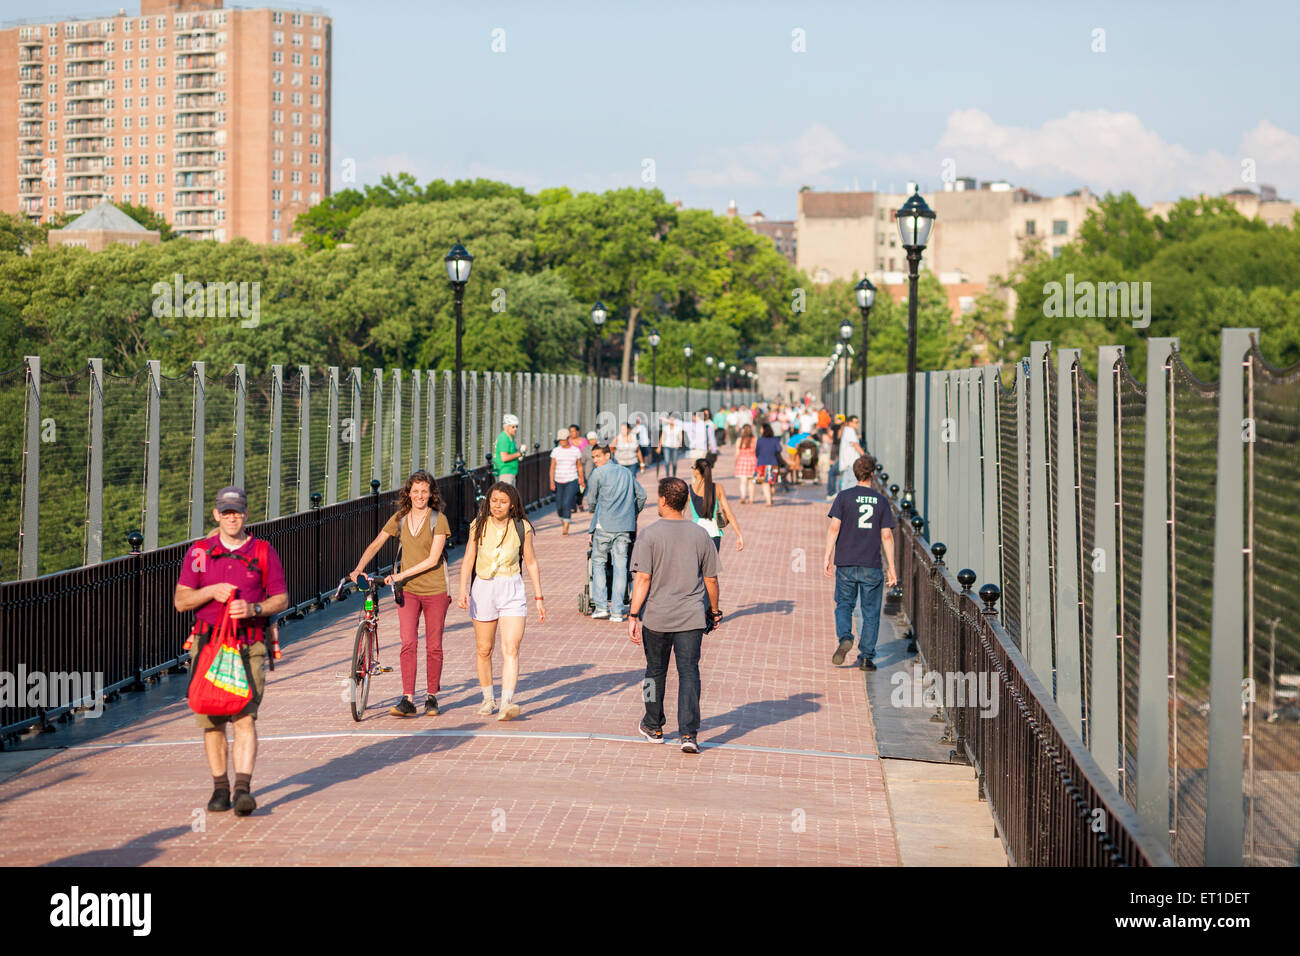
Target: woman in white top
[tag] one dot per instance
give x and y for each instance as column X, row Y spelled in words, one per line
column 670, row 443
column 627, row 451
column 566, row 476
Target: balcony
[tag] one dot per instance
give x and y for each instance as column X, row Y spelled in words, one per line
column 86, row 69
column 34, row 112
column 29, row 186
column 85, row 91
column 30, row 94
column 84, row 166
column 194, row 181
column 30, row 206
column 196, row 83
column 195, row 102
column 29, row 131
column 196, row 63
column 85, row 53
column 195, row 121
column 192, row 44
column 86, row 108
column 31, row 73
column 193, row 220
column 31, row 56
column 27, row 149
column 87, row 187
column 193, row 140
column 85, row 147
column 194, row 201
column 30, row 167
column 193, row 162
column 82, row 127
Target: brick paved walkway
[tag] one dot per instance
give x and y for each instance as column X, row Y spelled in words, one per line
column 788, row 773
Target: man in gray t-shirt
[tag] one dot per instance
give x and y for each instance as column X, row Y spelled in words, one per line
column 674, row 594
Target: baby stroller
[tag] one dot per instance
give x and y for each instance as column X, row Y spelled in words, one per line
column 586, row 605
column 808, row 460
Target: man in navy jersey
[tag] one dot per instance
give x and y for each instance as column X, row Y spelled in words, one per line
column 859, row 537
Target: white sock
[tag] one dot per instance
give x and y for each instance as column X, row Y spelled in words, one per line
column 505, row 698
column 487, row 692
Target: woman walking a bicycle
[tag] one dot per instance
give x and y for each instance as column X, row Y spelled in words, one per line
column 500, row 545
column 423, row 530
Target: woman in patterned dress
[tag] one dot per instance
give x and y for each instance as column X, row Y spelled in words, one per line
column 746, row 464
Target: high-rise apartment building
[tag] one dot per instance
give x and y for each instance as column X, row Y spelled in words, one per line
column 217, row 119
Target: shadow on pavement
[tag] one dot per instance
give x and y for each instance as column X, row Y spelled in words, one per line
column 759, row 713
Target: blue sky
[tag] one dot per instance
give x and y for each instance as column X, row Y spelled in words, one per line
column 712, row 98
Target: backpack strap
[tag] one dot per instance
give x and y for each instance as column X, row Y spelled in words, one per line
column 262, row 557
column 519, row 530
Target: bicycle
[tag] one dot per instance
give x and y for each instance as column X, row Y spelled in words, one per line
column 365, row 647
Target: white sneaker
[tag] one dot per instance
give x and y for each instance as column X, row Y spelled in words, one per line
column 616, row 618
column 599, row 614
column 487, row 707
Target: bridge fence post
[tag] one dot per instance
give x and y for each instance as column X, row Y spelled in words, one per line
column 152, row 457
column 1224, row 818
column 277, row 426
column 198, row 438
column 1153, row 626
column 1036, row 596
column 304, row 438
column 353, row 434
column 377, row 425
column 241, row 408
column 395, row 467
column 31, row 526
column 1104, row 729
column 992, row 490
column 415, row 420
column 1069, row 692
column 332, row 438
column 95, row 476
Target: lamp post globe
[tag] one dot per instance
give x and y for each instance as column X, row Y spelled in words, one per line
column 708, row 383
column 915, row 220
column 458, row 262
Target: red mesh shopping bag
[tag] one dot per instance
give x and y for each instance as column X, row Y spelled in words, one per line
column 220, row 684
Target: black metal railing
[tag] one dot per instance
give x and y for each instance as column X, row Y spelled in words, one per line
column 1051, row 802
column 117, row 619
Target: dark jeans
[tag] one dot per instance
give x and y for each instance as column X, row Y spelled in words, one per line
column 866, row 587
column 566, row 493
column 832, row 478
column 685, row 645
column 670, row 460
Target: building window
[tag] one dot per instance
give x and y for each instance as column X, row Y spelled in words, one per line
column 296, row 59
column 1056, row 252
column 275, row 215
column 158, row 198
column 1060, row 227
column 277, row 17
column 277, row 38
column 1030, row 226
column 277, row 96
column 275, row 235
column 126, row 140
column 315, row 179
column 144, row 43
column 277, row 76
column 297, row 39
column 277, row 176
column 277, row 56
column 296, row 99
column 276, row 195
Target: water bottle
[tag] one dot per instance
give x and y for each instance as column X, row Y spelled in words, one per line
column 370, row 602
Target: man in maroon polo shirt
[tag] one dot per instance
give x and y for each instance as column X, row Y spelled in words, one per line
column 219, row 570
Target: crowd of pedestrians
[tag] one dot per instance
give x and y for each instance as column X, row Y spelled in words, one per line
column 673, row 563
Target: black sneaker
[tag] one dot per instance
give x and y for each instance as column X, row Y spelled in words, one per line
column 689, row 746
column 866, row 664
column 220, row 801
column 654, row 736
column 403, row 708
column 842, row 651
column 430, row 706
column 244, row 803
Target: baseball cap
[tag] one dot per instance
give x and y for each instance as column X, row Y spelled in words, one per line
column 593, row 436
column 232, row 499
column 509, row 420
column 562, row 434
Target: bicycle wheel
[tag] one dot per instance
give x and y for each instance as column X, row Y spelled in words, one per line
column 361, row 656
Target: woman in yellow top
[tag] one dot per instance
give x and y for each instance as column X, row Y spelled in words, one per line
column 496, row 552
column 423, row 530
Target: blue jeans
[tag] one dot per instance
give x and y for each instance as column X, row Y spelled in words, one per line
column 685, row 646
column 670, row 460
column 603, row 543
column 866, row 587
column 634, row 468
column 566, row 494
column 833, row 478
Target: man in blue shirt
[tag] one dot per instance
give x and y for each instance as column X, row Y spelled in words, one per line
column 859, row 536
column 616, row 498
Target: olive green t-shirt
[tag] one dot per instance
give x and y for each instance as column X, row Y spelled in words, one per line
column 416, row 547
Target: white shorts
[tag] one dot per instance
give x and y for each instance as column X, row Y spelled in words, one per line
column 491, row 598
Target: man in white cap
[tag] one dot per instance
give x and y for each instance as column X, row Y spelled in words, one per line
column 505, row 459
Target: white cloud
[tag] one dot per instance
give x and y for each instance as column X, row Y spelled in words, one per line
column 809, row 159
column 1106, row 151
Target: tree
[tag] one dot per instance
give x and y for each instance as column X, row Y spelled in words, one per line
column 148, row 218
column 1120, row 228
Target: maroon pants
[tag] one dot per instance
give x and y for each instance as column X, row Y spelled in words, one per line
column 434, row 607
